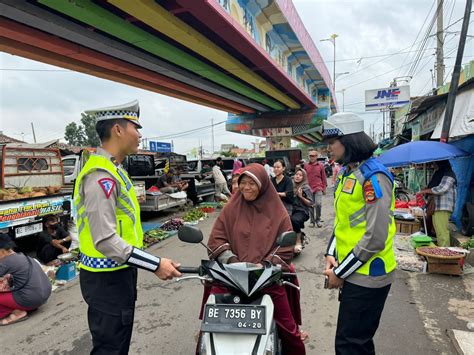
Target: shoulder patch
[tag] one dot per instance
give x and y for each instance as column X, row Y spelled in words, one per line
column 369, row 192
column 107, row 185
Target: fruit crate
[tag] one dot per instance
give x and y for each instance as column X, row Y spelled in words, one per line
column 445, row 266
column 407, row 227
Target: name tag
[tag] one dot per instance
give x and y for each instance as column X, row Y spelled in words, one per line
column 349, row 186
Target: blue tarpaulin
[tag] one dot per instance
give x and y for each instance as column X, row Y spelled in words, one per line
column 463, row 168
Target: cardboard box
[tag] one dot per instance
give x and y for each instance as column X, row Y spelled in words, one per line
column 407, row 227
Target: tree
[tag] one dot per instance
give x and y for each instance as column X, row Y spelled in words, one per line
column 83, row 134
column 229, row 154
column 74, row 134
column 92, row 138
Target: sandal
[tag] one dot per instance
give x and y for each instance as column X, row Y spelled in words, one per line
column 9, row 317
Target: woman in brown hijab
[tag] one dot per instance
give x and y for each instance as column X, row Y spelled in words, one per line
column 246, row 231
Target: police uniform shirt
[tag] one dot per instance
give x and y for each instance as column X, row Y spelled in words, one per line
column 378, row 218
column 100, row 211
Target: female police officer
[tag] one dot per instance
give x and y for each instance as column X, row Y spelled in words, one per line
column 360, row 259
column 110, row 232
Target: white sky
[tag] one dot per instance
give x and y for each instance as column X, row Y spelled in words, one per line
column 30, row 92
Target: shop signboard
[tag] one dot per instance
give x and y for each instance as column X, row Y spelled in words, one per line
column 391, row 97
column 17, row 211
column 429, row 119
column 415, row 131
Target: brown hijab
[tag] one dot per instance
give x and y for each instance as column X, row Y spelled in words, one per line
column 250, row 228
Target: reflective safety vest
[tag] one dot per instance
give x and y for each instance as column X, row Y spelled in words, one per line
column 127, row 216
column 350, row 222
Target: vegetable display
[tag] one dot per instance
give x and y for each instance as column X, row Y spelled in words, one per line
column 156, row 233
column 194, row 215
column 436, row 251
column 469, row 244
column 172, row 225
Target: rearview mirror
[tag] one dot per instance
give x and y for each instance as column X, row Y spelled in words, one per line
column 190, row 234
column 286, row 239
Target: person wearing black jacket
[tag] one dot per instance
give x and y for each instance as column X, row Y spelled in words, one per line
column 283, row 185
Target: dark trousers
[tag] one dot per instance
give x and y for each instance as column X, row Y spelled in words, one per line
column 297, row 220
column 360, row 310
column 49, row 253
column 111, row 299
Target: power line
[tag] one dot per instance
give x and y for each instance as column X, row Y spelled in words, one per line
column 426, row 37
column 419, row 32
column 377, row 76
column 449, row 21
column 184, row 133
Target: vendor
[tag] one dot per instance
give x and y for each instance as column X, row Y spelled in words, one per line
column 442, row 192
column 170, row 182
column 31, row 287
column 53, row 241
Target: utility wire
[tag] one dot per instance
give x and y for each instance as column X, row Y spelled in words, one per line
column 419, row 32
column 184, row 133
column 426, row 37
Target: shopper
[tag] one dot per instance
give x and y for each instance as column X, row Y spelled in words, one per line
column 318, row 183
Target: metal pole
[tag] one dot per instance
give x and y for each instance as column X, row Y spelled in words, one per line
column 439, row 46
column 456, row 73
column 334, row 66
column 212, row 127
column 33, row 129
column 343, row 106
column 383, row 125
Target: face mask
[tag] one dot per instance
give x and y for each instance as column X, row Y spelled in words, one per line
column 54, row 226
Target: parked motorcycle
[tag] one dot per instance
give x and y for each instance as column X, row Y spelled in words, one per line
column 401, row 193
column 240, row 321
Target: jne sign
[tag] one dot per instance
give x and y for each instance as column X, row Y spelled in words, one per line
column 391, row 97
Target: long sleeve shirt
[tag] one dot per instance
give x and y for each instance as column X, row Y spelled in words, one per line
column 377, row 217
column 100, row 212
column 286, row 186
column 317, row 179
column 445, row 194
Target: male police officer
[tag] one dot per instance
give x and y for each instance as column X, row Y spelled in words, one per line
column 110, row 232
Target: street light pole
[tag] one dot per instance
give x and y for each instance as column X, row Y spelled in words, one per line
column 343, row 106
column 342, row 91
column 332, row 39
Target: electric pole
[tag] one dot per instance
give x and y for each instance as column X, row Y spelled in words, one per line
column 456, row 73
column 439, row 46
column 33, row 129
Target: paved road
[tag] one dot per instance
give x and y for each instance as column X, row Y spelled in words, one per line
column 418, row 311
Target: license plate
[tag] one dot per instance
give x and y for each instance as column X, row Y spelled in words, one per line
column 229, row 318
column 27, row 230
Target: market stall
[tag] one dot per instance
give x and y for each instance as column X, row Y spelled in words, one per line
column 414, row 245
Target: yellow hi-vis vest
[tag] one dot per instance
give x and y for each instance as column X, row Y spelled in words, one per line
column 350, row 227
column 127, row 215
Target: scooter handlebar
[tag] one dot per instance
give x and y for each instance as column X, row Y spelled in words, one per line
column 188, row 270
